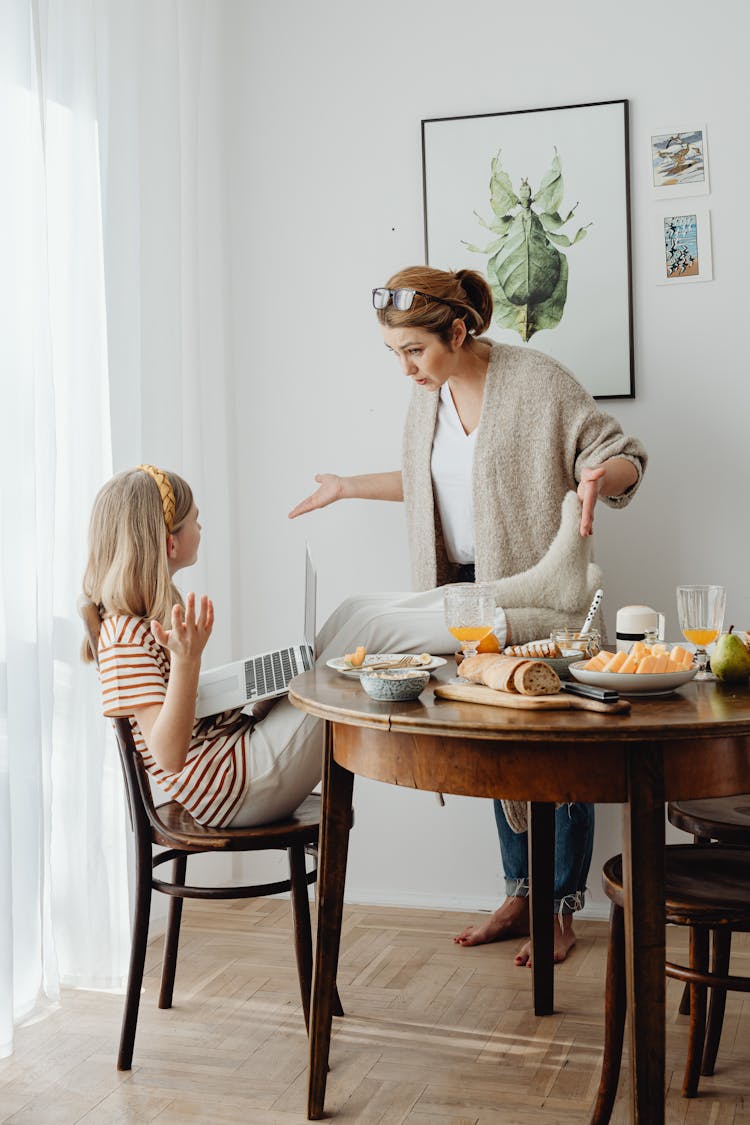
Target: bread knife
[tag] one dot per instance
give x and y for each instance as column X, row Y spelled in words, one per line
column 605, row 695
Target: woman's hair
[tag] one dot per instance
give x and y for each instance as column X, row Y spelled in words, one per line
column 467, row 289
column 128, row 565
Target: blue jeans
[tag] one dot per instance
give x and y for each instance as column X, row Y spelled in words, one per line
column 574, row 842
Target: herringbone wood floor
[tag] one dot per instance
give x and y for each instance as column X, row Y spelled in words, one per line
column 433, row 1035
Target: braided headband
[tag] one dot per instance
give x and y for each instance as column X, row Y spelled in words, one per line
column 163, row 483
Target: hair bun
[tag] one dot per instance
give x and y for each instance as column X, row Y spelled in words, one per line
column 478, row 297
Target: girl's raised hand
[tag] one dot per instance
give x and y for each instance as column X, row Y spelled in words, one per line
column 331, row 489
column 189, row 633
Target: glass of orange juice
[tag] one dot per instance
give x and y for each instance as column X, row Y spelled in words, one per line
column 700, row 610
column 469, row 613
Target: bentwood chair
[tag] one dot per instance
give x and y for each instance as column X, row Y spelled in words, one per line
column 706, row 890
column 725, row 820
column 169, row 826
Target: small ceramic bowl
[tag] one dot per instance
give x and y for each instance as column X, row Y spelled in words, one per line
column 395, row 685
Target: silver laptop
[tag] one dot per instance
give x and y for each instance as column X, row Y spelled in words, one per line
column 261, row 677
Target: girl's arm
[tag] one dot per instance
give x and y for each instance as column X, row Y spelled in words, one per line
column 168, row 727
column 370, row 486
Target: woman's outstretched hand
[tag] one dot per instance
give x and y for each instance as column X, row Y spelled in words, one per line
column 331, row 489
column 588, row 494
column 189, row 633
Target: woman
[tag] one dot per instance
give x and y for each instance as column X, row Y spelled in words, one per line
column 497, row 442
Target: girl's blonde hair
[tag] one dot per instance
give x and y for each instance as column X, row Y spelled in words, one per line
column 467, row 289
column 128, row 565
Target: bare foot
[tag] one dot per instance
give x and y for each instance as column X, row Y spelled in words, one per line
column 565, row 939
column 509, row 920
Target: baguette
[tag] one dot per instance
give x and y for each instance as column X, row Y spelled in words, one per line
column 473, row 667
column 511, row 673
column 525, row 677
column 541, row 649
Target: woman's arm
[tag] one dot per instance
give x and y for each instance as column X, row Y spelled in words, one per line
column 168, row 727
column 370, row 486
column 611, row 478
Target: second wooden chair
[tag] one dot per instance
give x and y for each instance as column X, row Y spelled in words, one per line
column 705, row 889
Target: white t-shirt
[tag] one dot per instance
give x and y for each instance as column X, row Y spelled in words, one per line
column 452, row 462
column 452, row 467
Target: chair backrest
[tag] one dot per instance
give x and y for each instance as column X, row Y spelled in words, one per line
column 137, row 788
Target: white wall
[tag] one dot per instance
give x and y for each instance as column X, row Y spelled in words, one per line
column 324, row 200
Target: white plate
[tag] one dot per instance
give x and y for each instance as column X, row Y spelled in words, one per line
column 631, row 683
column 340, row 665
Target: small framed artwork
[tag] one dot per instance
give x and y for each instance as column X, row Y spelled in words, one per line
column 679, row 162
column 537, row 200
column 684, row 242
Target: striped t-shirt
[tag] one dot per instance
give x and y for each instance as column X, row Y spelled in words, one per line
column 134, row 672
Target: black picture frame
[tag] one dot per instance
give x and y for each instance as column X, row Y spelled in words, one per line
column 576, row 161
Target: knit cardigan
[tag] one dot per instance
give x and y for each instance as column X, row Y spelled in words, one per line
column 537, row 431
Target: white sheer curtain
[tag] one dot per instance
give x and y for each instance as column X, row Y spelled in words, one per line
column 112, row 351
column 63, row 889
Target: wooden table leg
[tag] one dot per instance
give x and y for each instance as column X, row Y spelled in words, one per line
column 643, row 852
column 542, row 894
column 334, row 845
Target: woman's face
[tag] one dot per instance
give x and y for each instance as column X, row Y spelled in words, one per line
column 183, row 544
column 423, row 355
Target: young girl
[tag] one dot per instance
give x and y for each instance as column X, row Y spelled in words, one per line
column 227, row 770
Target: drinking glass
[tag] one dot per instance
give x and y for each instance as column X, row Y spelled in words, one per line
column 469, row 613
column 700, row 610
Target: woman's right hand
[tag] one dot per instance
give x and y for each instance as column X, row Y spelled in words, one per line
column 331, row 489
column 189, row 633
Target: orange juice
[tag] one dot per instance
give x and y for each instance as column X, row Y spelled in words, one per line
column 700, row 637
column 470, row 632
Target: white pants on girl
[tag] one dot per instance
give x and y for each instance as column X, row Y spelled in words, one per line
column 286, row 747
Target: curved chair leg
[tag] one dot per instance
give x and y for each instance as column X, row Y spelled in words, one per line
column 698, row 960
column 172, row 937
column 302, row 929
column 684, row 1008
column 614, row 1020
column 722, row 941
column 138, row 944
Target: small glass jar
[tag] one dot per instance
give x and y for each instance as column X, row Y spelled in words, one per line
column 573, row 640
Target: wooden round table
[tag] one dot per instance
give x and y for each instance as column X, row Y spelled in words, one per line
column 693, row 743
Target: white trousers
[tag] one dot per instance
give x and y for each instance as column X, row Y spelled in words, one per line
column 285, row 750
column 387, row 623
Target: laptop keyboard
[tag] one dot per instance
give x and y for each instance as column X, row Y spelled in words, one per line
column 272, row 672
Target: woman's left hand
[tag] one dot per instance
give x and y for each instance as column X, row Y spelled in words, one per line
column 588, row 493
column 613, row 477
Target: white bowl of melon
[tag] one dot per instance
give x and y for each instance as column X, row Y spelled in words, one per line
column 645, row 670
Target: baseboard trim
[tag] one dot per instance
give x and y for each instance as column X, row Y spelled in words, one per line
column 596, row 912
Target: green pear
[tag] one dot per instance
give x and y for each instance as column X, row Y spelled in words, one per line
column 730, row 660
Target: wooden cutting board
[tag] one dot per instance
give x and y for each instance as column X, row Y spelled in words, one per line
column 561, row 701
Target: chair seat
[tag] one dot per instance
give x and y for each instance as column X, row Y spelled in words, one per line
column 721, row 818
column 704, row 886
column 173, row 826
